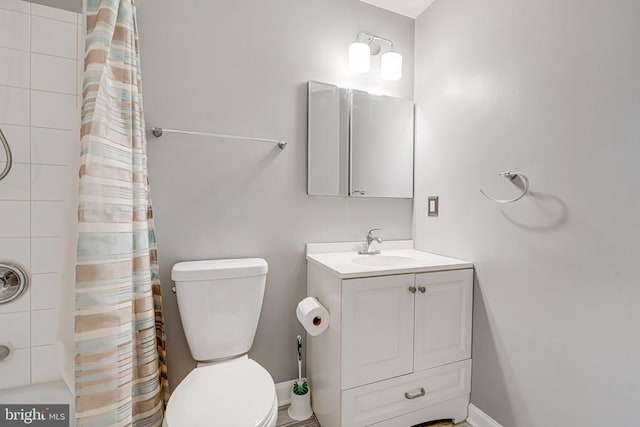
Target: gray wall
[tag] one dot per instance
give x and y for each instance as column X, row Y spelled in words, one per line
column 550, row 88
column 241, row 67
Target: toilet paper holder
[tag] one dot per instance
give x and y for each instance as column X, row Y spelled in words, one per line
column 313, row 316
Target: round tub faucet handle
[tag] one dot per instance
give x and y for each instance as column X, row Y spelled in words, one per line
column 5, row 351
column 14, row 281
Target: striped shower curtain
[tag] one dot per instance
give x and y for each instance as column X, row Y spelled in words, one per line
column 120, row 371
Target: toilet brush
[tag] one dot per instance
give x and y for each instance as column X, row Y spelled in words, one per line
column 300, row 408
column 300, row 387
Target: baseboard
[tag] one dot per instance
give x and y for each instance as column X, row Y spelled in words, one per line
column 477, row 418
column 283, row 391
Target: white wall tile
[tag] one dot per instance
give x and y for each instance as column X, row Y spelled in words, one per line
column 15, row 186
column 18, row 139
column 44, row 326
column 15, row 67
column 38, row 89
column 53, row 13
column 16, row 250
column 80, row 56
column 45, row 364
column 16, row 369
column 15, row 329
column 45, row 255
column 53, row 73
column 48, row 182
column 14, row 108
column 47, row 219
column 54, row 110
column 45, row 291
column 14, row 30
column 54, row 146
column 14, row 219
column 22, row 303
column 16, row 5
column 53, row 37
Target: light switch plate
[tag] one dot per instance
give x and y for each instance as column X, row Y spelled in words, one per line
column 432, row 205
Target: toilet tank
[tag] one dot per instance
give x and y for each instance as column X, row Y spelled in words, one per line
column 219, row 303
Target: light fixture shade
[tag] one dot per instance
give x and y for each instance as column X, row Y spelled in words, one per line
column 391, row 66
column 359, row 57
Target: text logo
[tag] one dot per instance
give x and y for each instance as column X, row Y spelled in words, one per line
column 34, row 415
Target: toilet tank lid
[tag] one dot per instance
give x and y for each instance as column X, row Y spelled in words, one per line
column 218, row 269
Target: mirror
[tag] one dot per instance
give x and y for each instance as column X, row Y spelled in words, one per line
column 360, row 144
column 381, row 146
column 328, row 133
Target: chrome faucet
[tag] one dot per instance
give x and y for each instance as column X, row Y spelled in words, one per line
column 370, row 239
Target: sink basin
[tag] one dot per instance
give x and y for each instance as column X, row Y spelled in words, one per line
column 397, row 257
column 385, row 261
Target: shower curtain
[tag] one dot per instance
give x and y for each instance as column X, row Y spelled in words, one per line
column 120, row 370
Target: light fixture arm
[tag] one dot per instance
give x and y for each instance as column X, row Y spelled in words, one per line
column 371, row 37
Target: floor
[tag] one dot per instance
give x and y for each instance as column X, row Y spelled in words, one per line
column 285, row 421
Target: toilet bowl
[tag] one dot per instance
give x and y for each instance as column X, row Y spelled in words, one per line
column 237, row 393
column 220, row 303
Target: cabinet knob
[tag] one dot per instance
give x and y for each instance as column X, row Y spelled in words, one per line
column 412, row 289
column 422, row 289
column 415, row 396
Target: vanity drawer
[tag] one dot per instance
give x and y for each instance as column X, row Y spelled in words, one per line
column 369, row 404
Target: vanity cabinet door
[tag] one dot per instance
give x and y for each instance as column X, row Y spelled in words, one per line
column 443, row 318
column 377, row 328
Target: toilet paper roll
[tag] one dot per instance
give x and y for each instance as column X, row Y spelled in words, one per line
column 313, row 316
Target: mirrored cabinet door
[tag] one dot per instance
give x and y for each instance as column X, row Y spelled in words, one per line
column 359, row 144
column 328, row 162
column 381, row 146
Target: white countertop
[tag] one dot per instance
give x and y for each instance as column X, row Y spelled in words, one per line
column 396, row 257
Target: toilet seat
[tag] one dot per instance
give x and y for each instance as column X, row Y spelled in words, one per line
column 235, row 393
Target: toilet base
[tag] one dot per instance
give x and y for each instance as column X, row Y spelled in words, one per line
column 273, row 419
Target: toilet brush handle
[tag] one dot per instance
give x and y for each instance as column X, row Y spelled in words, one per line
column 299, row 343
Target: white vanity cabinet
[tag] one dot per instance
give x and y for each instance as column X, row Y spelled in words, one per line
column 398, row 350
column 442, row 318
column 377, row 329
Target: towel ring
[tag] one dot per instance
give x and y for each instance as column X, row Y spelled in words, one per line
column 511, row 175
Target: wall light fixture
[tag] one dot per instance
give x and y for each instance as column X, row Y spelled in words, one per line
column 365, row 46
column 359, row 57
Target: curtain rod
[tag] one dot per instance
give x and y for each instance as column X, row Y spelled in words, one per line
column 158, row 132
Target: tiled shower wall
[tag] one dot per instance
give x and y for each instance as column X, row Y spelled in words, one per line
column 39, row 115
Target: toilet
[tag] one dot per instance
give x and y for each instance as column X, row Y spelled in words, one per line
column 219, row 303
